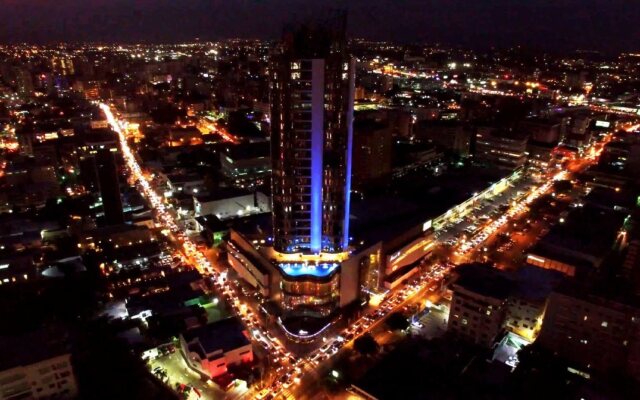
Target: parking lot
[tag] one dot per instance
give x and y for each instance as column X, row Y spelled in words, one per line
column 177, row 373
column 430, row 322
column 482, row 212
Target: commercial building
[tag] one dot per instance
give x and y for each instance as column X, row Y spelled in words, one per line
column 372, row 154
column 246, row 164
column 231, row 203
column 312, row 89
column 32, row 366
column 212, row 348
column 543, row 130
column 501, row 148
column 479, row 304
column 109, row 187
column 172, row 308
column 391, row 237
column 16, row 268
column 540, row 154
column 116, row 236
column 99, row 171
column 448, row 134
column 184, row 183
column 528, row 300
column 299, row 265
column 187, row 136
column 596, row 330
column 579, row 244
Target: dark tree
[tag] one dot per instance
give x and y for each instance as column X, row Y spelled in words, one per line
column 397, row 322
column 365, row 345
column 562, row 186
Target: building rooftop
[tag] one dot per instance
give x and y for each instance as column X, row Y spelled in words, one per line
column 588, row 232
column 30, row 348
column 253, row 225
column 164, row 302
column 613, row 293
column 484, row 279
column 608, row 198
column 226, row 335
column 102, row 135
column 385, row 216
column 533, row 283
column 223, row 193
column 418, row 369
column 212, row 223
column 248, row 150
column 369, row 124
column 115, row 229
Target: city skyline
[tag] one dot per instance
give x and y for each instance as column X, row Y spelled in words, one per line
column 540, row 25
column 307, row 216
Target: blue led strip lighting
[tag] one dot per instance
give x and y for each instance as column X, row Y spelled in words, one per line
column 317, row 149
column 347, row 188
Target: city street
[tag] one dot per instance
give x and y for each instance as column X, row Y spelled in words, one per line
column 498, row 216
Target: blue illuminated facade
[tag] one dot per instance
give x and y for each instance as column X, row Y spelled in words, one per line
column 317, row 153
column 349, row 157
column 312, row 95
column 319, row 270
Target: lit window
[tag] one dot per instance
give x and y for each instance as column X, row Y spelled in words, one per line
column 604, row 324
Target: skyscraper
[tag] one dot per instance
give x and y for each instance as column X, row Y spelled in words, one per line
column 109, row 186
column 99, row 172
column 312, row 93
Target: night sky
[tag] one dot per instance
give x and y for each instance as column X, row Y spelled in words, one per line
column 606, row 25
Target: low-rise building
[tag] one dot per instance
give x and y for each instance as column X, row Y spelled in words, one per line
column 212, row 348
column 479, row 304
column 543, row 130
column 116, row 236
column 449, row 134
column 34, row 367
column 540, row 154
column 595, row 329
column 231, row 203
column 187, row 183
column 246, row 164
column 372, row 156
column 528, row 299
column 501, row 148
column 187, row 136
column 17, row 268
column 579, row 243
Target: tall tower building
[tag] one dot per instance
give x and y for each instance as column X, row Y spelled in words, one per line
column 107, row 172
column 312, row 94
